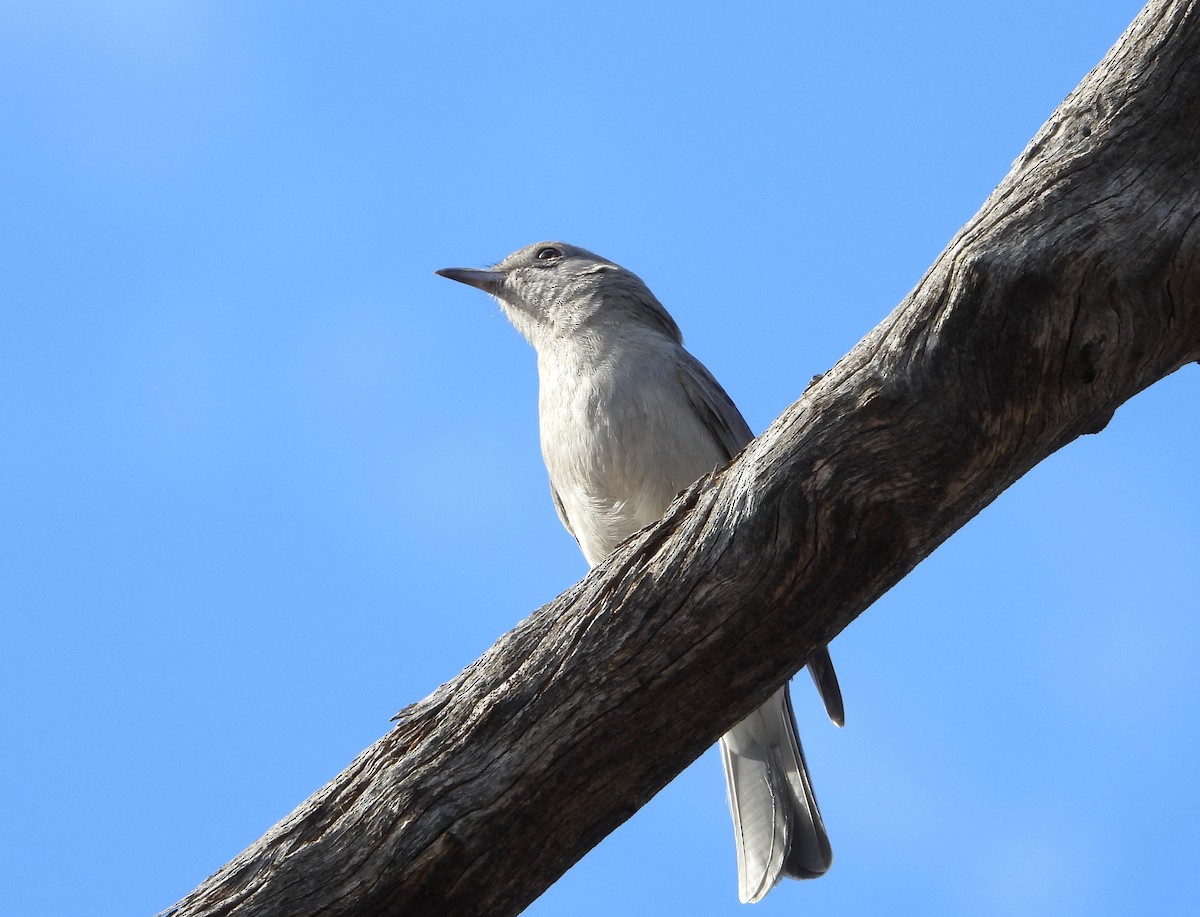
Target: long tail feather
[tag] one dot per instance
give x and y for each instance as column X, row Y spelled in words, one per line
column 777, row 825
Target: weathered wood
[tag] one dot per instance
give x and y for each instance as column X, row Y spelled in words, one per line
column 1076, row 286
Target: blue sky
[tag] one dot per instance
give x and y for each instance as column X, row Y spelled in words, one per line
column 266, row 478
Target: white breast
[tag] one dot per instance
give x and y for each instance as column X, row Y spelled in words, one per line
column 619, row 437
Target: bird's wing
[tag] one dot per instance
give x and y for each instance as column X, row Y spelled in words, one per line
column 713, row 407
column 562, row 513
column 820, row 667
column 729, row 429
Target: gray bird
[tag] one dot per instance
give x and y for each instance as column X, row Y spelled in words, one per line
column 629, row 419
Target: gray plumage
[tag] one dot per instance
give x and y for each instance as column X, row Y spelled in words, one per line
column 628, row 419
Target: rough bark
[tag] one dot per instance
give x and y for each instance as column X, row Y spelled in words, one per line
column 1076, row 286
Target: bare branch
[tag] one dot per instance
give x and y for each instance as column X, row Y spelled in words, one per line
column 1076, row 286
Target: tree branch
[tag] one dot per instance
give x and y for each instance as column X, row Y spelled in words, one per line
column 1076, row 286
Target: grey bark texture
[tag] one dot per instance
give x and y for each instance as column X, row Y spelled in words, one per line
column 1076, row 286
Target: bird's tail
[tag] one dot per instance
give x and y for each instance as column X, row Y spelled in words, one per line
column 776, row 822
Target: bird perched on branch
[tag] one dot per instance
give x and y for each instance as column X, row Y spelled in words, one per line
column 629, row 419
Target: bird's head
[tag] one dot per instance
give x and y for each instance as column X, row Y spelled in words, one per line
column 552, row 289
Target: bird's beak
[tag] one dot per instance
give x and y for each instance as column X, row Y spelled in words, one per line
column 488, row 281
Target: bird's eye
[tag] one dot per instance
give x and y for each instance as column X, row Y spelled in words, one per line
column 545, row 254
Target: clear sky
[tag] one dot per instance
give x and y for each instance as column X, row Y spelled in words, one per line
column 265, row 479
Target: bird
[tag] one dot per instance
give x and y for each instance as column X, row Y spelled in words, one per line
column 628, row 418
